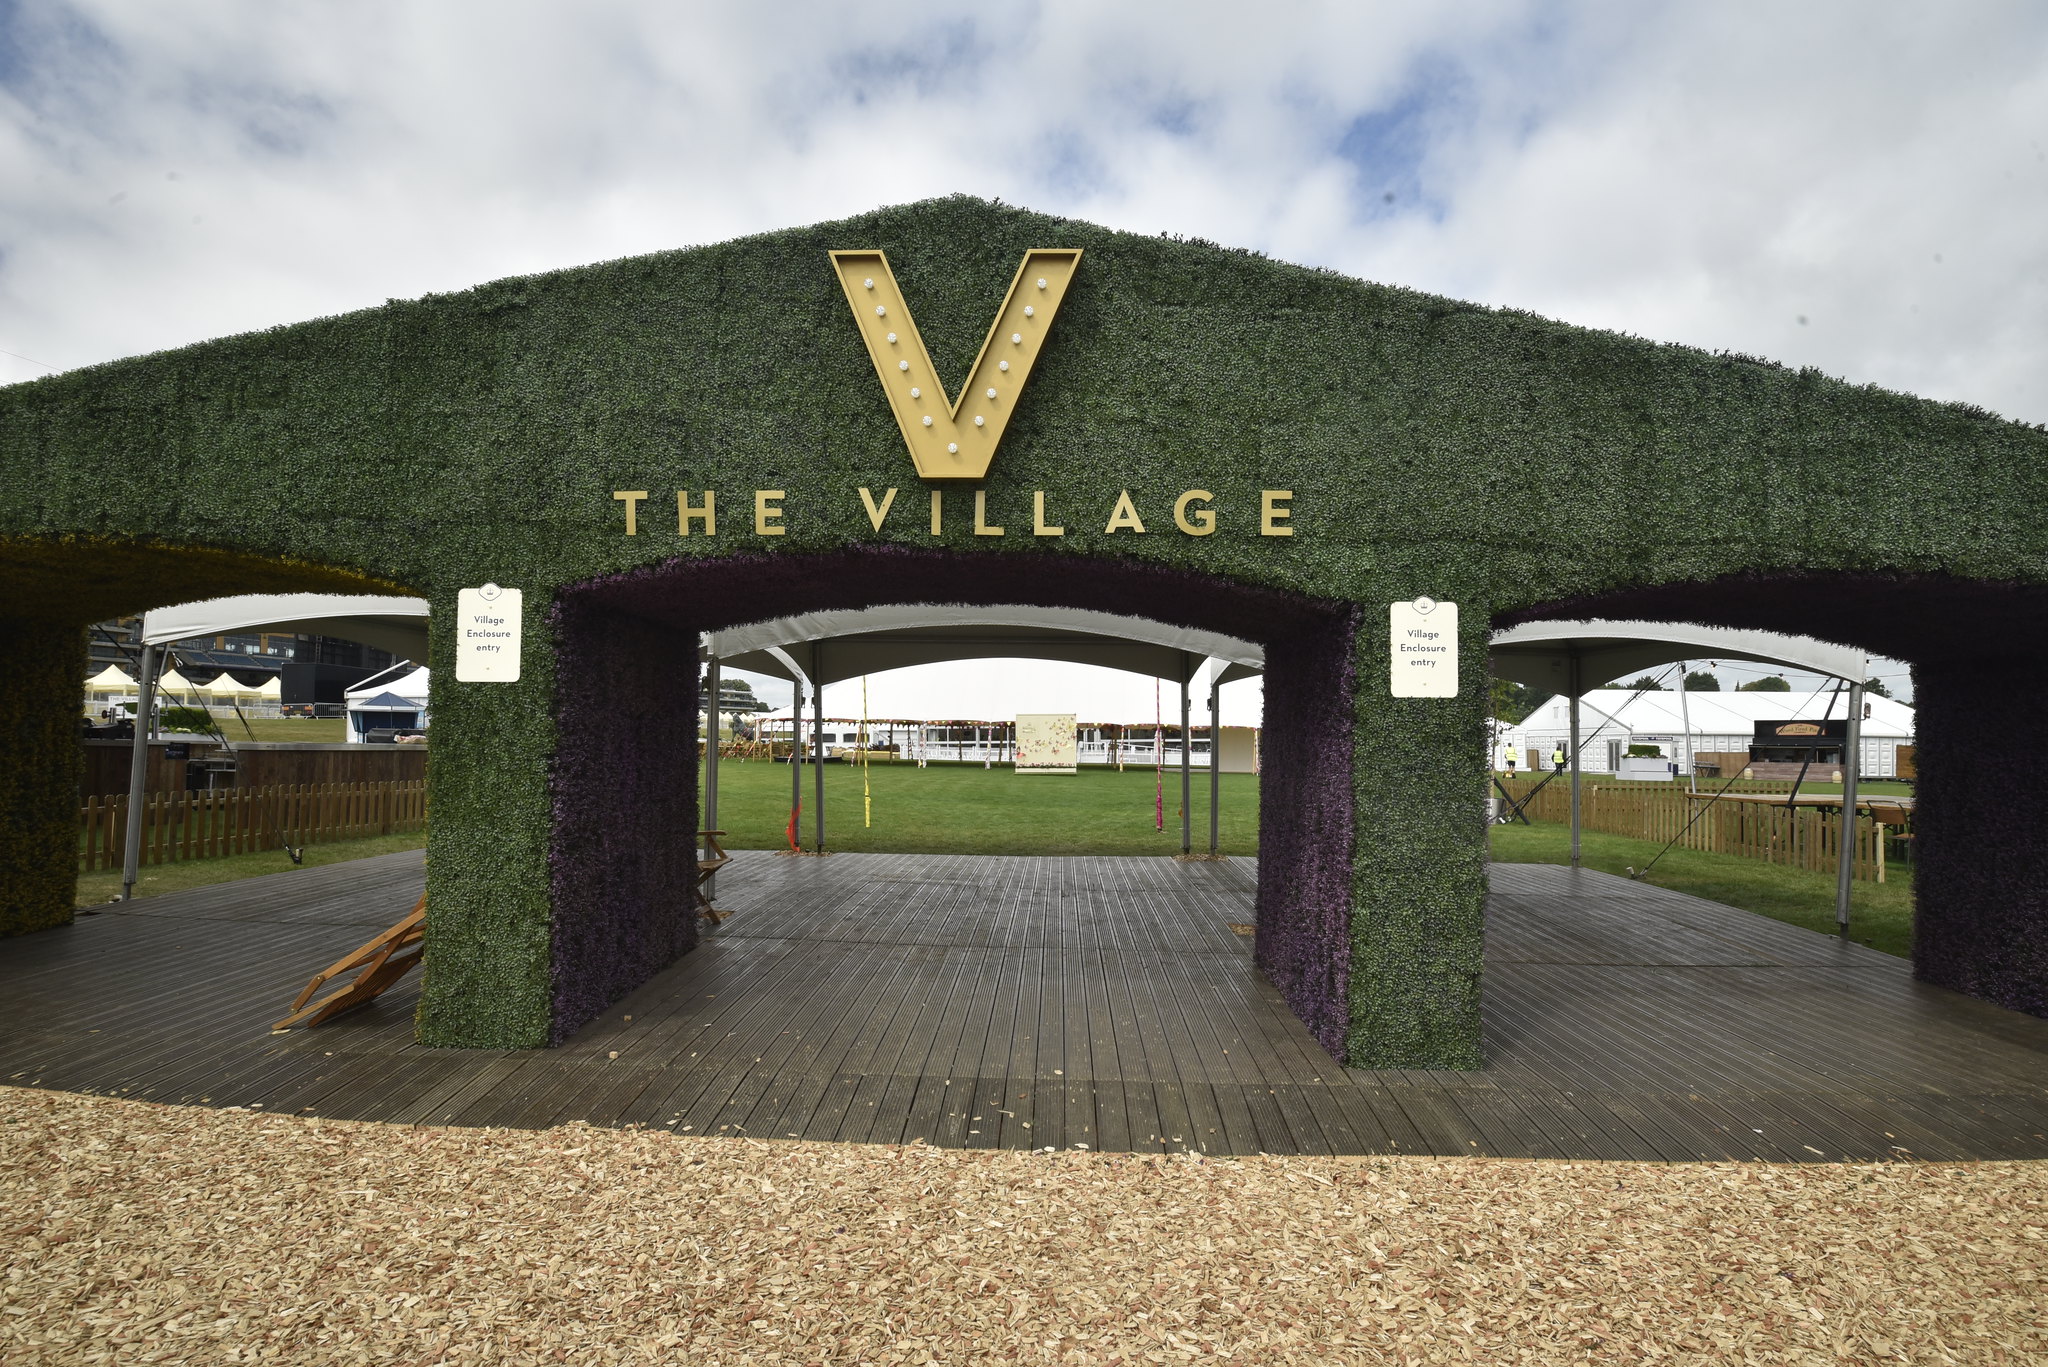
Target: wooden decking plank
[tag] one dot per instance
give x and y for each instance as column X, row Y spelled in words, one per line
column 1100, row 1000
column 1444, row 1127
column 1107, row 1082
column 937, row 1098
column 1507, row 1129
column 820, row 1108
column 975, row 1054
column 849, row 1089
column 708, row 1096
column 785, row 1059
column 1697, row 1130
column 474, row 1074
column 1137, row 1072
column 864, row 1119
column 1020, row 1117
column 1047, row 1079
column 786, row 1106
column 1251, row 1107
column 1714, row 1107
column 1623, row 1097
column 411, row 1078
column 922, row 1033
column 705, row 1058
column 1206, row 1130
column 503, row 1100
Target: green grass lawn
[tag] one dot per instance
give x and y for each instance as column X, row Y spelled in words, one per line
column 103, row 885
column 306, row 730
column 965, row 809
column 1880, row 914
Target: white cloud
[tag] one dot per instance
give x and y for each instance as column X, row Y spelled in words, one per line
column 1708, row 174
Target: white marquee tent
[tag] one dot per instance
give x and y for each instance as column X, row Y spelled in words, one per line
column 1613, row 719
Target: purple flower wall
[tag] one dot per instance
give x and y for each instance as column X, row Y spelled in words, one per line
column 1306, row 827
column 623, row 778
column 1980, row 918
column 621, row 867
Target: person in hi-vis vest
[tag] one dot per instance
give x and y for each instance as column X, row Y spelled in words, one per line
column 1511, row 761
column 1557, row 759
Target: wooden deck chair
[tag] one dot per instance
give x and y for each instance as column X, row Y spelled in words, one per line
column 708, row 865
column 383, row 961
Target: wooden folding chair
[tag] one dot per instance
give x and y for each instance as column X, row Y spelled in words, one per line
column 383, row 961
column 707, row 865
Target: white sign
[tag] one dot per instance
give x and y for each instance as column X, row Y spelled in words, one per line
column 487, row 622
column 1424, row 649
column 1046, row 744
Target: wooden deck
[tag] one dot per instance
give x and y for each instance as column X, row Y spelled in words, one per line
column 1024, row 1002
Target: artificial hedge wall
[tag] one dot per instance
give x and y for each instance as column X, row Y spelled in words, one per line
column 1486, row 457
column 41, row 677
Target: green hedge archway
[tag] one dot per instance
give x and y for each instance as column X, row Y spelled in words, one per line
column 1483, row 457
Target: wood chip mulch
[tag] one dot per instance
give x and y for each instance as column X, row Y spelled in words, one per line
column 138, row 1233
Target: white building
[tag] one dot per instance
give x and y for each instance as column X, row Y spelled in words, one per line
column 994, row 742
column 1613, row 719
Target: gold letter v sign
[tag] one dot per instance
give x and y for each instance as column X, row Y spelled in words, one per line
column 957, row 439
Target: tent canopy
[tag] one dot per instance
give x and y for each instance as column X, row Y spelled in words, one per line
column 1540, row 654
column 113, row 676
column 408, row 680
column 398, row 625
column 871, row 640
column 383, row 702
column 1716, row 714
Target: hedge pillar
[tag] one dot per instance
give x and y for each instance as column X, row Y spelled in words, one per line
column 489, row 818
column 41, row 674
column 1980, row 922
column 1418, row 874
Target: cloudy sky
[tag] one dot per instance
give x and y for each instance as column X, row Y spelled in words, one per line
column 1859, row 186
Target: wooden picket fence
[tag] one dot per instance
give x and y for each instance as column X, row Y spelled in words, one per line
column 1800, row 837
column 179, row 826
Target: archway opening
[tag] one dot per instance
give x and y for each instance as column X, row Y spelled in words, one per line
column 626, row 721
column 1977, row 652
column 54, row 589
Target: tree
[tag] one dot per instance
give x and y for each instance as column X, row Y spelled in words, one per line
column 735, row 698
column 1770, row 683
column 1701, row 681
column 1513, row 702
column 1646, row 684
column 1876, row 687
column 737, row 695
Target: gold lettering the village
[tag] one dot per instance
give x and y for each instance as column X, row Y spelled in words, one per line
column 955, row 438
column 1194, row 513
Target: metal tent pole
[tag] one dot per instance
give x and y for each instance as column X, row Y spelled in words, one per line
column 1215, row 761
column 1574, row 752
column 796, row 757
column 1187, row 817
column 711, row 776
column 138, row 772
column 1685, row 720
column 818, row 740
column 1845, row 853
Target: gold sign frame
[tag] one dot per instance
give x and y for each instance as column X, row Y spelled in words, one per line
column 956, row 438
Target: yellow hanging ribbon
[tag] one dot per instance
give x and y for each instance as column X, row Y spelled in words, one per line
column 867, row 799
